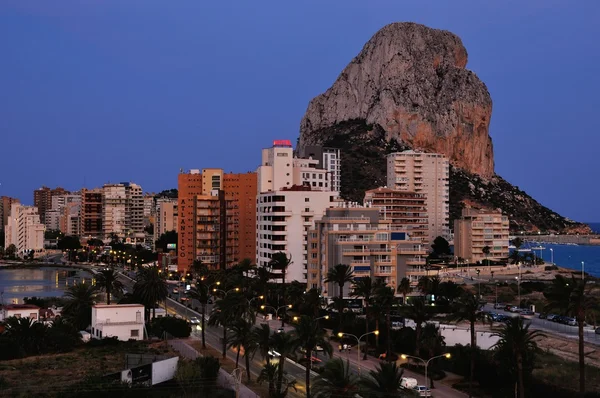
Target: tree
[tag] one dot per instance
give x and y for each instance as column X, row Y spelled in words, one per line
column 308, row 335
column 440, row 247
column 516, row 348
column 200, row 293
column 261, row 281
column 241, row 337
column 270, row 373
column 1, row 248
column 107, row 280
column 151, row 287
column 227, row 311
column 450, row 291
column 52, row 234
column 78, row 308
column 198, row 375
column 517, row 243
column 486, row 251
column 95, row 242
column 168, row 193
column 417, row 311
column 10, row 251
column 262, row 338
column 365, row 288
column 572, row 297
column 281, row 262
column 165, row 239
column 283, row 343
column 384, row 296
column 404, row 288
column 28, row 334
column 70, row 244
column 336, row 380
column 311, row 303
column 384, row 381
column 468, row 308
column 340, row 274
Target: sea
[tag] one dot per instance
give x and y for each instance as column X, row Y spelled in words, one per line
column 18, row 283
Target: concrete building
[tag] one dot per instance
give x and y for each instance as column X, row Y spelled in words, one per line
column 165, row 216
column 24, row 230
column 477, row 229
column 328, row 159
column 124, row 321
column 52, row 219
column 5, row 204
column 123, row 211
column 428, row 174
column 91, row 213
column 360, row 237
column 19, row 311
column 406, row 210
column 42, row 199
column 70, row 221
column 199, row 193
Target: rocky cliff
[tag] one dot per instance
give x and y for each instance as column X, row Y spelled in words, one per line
column 409, row 89
column 411, row 80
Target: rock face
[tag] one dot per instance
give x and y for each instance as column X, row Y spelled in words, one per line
column 408, row 89
column 411, row 80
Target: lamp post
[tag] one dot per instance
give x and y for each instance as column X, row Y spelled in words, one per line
column 262, row 307
column 235, row 289
column 519, row 289
column 582, row 270
column 552, row 256
column 341, row 334
column 446, row 355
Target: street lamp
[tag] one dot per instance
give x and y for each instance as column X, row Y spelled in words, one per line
column 263, row 307
column 341, row 334
column 446, row 355
column 519, row 289
column 582, row 270
column 552, row 256
column 235, row 289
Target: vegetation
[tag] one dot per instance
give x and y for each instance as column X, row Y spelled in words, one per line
column 165, row 239
column 107, row 281
column 151, row 288
column 340, row 274
column 336, row 380
column 78, row 308
column 176, row 327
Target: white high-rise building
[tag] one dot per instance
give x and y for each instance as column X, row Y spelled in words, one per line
column 292, row 194
column 55, row 217
column 24, row 229
column 328, row 159
column 426, row 173
column 123, row 210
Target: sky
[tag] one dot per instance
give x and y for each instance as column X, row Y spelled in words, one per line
column 97, row 91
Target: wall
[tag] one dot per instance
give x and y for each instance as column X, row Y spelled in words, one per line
column 454, row 335
column 164, row 370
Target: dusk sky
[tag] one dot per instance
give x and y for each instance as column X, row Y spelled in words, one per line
column 104, row 91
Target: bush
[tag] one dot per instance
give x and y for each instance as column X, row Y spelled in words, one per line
column 174, row 326
column 107, row 341
column 550, row 268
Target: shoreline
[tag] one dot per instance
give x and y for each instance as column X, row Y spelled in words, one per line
column 81, row 267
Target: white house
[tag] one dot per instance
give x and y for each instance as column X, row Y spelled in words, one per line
column 124, row 321
column 20, row 311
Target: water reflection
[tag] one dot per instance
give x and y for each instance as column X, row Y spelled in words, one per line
column 15, row 284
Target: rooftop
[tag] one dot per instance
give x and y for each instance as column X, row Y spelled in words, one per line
column 21, row 307
column 117, row 306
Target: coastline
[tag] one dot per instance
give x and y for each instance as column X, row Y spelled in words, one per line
column 17, row 265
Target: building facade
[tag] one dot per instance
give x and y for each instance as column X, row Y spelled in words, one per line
column 5, row 204
column 124, row 321
column 361, row 238
column 123, row 211
column 428, row 174
column 165, row 216
column 240, row 189
column 328, row 159
column 406, row 210
column 42, row 199
column 477, row 229
column 24, row 230
column 91, row 213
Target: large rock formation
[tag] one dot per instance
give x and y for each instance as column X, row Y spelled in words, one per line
column 411, row 80
column 408, row 88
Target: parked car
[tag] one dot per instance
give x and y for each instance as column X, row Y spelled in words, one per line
column 542, row 315
column 514, row 308
column 423, row 391
column 571, row 321
column 499, row 306
column 508, row 307
column 527, row 314
column 194, row 321
column 408, row 382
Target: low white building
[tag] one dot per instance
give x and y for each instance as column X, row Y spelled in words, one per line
column 20, row 311
column 124, row 321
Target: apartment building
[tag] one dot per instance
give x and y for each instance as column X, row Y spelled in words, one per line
column 52, row 219
column 361, row 237
column 428, row 174
column 91, row 213
column 5, row 204
column 165, row 216
column 42, row 199
column 65, row 208
column 406, row 210
column 478, row 228
column 123, row 211
column 200, row 193
column 70, row 220
column 328, row 159
column 24, row 230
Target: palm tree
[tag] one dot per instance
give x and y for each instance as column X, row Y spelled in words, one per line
column 107, row 281
column 572, row 298
column 262, row 338
column 336, row 380
column 261, row 281
column 280, row 261
column 295, row 292
column 364, row 287
column 486, row 251
column 340, row 274
column 384, row 295
column 468, row 308
column 229, row 310
column 417, row 311
column 283, row 343
column 311, row 303
column 517, row 345
column 29, row 335
column 241, row 337
column 269, row 373
column 383, row 382
column 200, row 293
column 151, row 287
column 424, row 285
column 78, row 308
column 308, row 335
column 404, row 289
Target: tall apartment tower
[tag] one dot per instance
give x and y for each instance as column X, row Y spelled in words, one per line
column 54, row 218
column 42, row 199
column 165, row 216
column 477, row 229
column 24, row 229
column 123, row 211
column 5, row 204
column 328, row 159
column 216, row 217
column 292, row 194
column 428, row 174
column 91, row 213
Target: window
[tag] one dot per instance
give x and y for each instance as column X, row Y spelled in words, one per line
column 307, row 199
column 135, row 333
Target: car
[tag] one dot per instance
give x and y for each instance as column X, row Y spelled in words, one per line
column 318, row 348
column 570, row 321
column 499, row 306
column 550, row 317
column 527, row 314
column 542, row 315
column 280, row 330
column 194, row 321
column 274, row 354
column 507, row 307
column 513, row 308
column 175, row 291
column 408, row 383
column 597, row 330
column 423, row 391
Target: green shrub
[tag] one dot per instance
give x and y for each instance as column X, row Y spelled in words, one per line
column 176, row 327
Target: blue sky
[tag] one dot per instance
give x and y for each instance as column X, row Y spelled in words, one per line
column 133, row 90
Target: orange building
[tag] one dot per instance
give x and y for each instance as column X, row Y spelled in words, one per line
column 5, row 204
column 42, row 199
column 217, row 218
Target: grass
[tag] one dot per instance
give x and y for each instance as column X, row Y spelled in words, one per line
column 44, row 374
column 556, row 371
